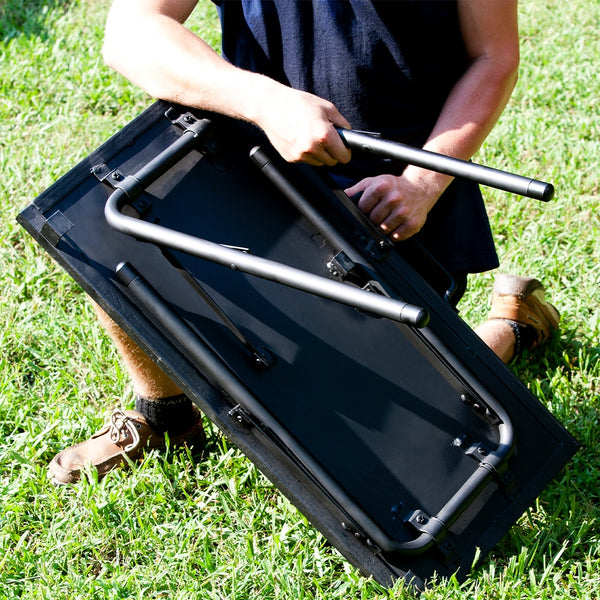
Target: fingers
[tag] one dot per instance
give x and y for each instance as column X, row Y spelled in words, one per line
column 302, row 127
column 388, row 206
column 317, row 151
column 324, row 154
column 335, row 145
column 337, row 150
column 399, row 229
column 328, row 149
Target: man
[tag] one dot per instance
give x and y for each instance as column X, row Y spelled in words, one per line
column 434, row 74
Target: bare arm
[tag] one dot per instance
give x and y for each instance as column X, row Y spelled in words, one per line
column 147, row 42
column 399, row 205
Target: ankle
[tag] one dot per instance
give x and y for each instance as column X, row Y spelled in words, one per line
column 524, row 338
column 517, row 346
column 173, row 414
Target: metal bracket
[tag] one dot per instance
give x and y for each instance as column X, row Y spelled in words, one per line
column 116, row 180
column 476, row 450
column 181, row 119
column 423, row 523
column 379, row 249
column 211, row 149
column 432, row 526
column 479, row 452
column 481, row 409
column 375, row 287
column 341, row 265
column 242, row 416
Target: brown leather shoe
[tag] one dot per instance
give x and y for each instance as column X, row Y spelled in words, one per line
column 523, row 300
column 127, row 434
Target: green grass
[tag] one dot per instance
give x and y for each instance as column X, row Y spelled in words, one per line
column 178, row 529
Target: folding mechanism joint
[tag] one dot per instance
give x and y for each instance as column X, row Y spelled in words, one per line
column 481, row 409
column 480, row 452
column 129, row 184
column 361, row 537
column 55, row 227
column 477, row 451
column 341, row 265
column 262, row 357
column 242, row 416
column 375, row 287
column 201, row 129
column 112, row 177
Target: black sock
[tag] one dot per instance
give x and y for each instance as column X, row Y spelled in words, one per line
column 172, row 414
column 529, row 336
column 525, row 337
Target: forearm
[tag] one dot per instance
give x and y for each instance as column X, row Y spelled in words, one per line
column 472, row 109
column 400, row 205
column 164, row 58
column 491, row 38
column 170, row 62
column 469, row 114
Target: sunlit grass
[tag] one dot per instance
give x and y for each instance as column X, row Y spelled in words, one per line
column 179, row 529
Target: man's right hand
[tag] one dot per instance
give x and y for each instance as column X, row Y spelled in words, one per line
column 170, row 62
column 301, row 126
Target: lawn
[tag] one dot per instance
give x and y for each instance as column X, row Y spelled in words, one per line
column 178, row 528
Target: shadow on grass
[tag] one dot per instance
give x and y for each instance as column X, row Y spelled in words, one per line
column 26, row 17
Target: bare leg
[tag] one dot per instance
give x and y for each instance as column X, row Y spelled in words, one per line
column 500, row 337
column 149, row 381
column 160, row 407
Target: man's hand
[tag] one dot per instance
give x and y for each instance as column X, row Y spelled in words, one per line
column 399, row 205
column 301, row 127
column 171, row 62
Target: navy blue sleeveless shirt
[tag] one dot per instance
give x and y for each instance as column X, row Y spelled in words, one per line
column 388, row 67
